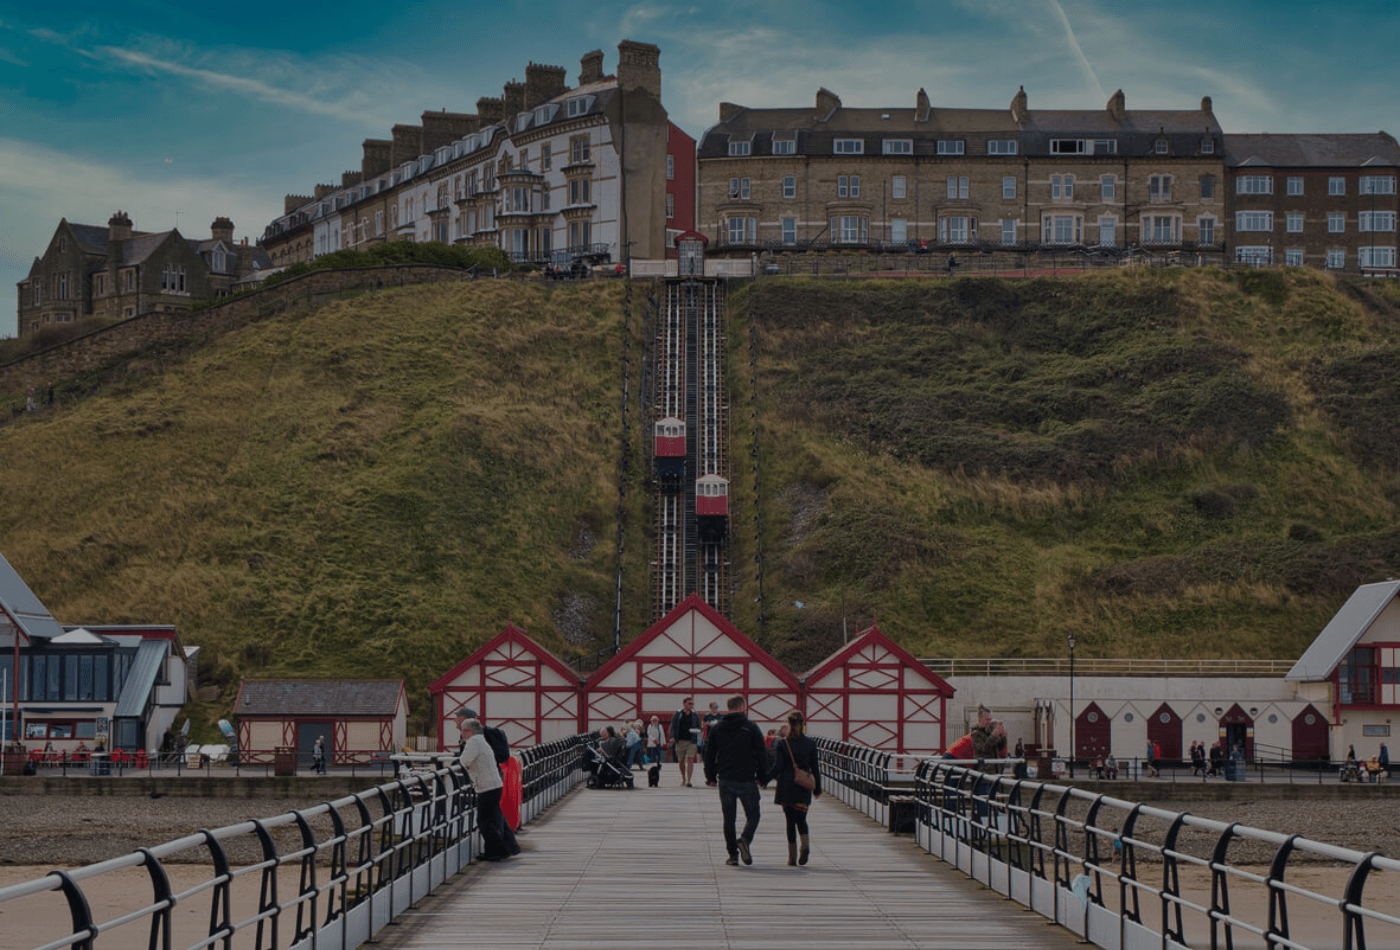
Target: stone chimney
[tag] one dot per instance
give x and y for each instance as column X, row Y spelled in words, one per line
column 491, row 111
column 639, row 68
column 1020, row 105
column 348, row 179
column 222, row 230
column 728, row 110
column 513, row 98
column 118, row 227
column 1117, row 106
column 543, row 83
column 921, row 107
column 827, row 104
column 1207, row 106
column 590, row 67
column 408, row 143
column 440, row 128
column 322, row 190
column 293, row 202
column 376, row 157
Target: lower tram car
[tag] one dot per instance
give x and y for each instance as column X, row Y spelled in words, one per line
column 712, row 507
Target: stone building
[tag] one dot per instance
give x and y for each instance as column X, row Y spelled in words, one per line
column 118, row 272
column 924, row 177
column 1316, row 200
column 547, row 172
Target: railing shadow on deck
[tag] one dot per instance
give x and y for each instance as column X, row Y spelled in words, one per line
column 330, row 876
column 1121, row 874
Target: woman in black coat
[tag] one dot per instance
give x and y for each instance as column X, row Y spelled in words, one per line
column 796, row 750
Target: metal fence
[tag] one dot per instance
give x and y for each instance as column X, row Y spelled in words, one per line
column 331, row 876
column 1121, row 874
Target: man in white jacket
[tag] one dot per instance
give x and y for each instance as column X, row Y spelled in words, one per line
column 479, row 760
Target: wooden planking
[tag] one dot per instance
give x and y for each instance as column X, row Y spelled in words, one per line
column 626, row 870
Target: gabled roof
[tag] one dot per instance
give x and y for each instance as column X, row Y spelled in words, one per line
column 91, row 237
column 511, row 634
column 34, row 619
column 1343, row 631
column 1367, row 150
column 873, row 637
column 726, row 629
column 333, row 698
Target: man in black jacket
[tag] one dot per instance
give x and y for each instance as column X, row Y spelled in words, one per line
column 735, row 757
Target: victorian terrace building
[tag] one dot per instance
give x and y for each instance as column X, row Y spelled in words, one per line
column 547, row 173
column 925, row 177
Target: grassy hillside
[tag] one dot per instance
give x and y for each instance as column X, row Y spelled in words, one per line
column 1187, row 463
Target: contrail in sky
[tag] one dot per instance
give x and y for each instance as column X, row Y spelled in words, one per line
column 1074, row 45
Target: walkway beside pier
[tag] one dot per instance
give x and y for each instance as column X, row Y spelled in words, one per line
column 625, row 870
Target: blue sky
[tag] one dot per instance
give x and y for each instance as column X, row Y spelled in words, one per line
column 178, row 113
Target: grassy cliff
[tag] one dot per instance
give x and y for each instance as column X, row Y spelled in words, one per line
column 1187, row 463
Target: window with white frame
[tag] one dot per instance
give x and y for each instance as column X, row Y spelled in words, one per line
column 953, row 229
column 1063, row 229
column 1205, row 230
column 898, row 146
column 1008, row 186
column 1336, row 222
column 739, row 149
column 670, row 205
column 579, row 150
column 578, row 106
column 1108, row 187
column 897, row 187
column 1376, row 185
column 1254, row 185
column 789, row 186
column 546, row 157
column 1375, row 221
column 1295, row 185
column 957, row 186
column 580, row 233
column 1105, row 146
column 1207, row 146
column 1108, row 232
column 848, row 186
column 378, row 223
column 579, row 191
column 1254, row 220
column 789, row 230
column 1336, row 186
column 785, row 146
column 849, row 147
column 1293, row 257
column 1061, row 186
column 1161, row 229
column 899, row 230
column 1260, row 255
column 851, row 228
column 1001, row 147
column 1067, row 147
column 950, row 146
column 1207, row 187
column 1375, row 256
column 1159, row 187
column 743, row 189
column 1161, row 147
column 1336, row 259
column 1294, row 223
column 742, row 229
column 1008, row 231
column 670, row 167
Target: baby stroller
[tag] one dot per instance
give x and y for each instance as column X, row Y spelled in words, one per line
column 604, row 772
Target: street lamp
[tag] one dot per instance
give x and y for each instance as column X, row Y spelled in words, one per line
column 1071, row 641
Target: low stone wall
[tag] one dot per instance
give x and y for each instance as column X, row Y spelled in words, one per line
column 88, row 352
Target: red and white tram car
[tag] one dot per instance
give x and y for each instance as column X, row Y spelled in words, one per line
column 670, row 450
column 712, row 507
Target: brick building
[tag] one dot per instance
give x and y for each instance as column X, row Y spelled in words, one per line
column 544, row 172
column 118, row 272
column 1316, row 200
column 954, row 178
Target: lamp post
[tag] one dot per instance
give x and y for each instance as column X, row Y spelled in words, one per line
column 1071, row 641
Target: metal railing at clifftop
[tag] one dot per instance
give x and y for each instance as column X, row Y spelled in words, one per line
column 331, row 876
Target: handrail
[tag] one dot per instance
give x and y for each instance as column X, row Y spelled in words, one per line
column 328, row 876
column 1110, row 869
column 1102, row 666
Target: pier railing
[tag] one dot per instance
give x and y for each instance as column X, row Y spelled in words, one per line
column 1121, row 874
column 330, row 876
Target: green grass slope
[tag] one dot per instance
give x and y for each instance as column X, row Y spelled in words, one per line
column 1166, row 464
column 1178, row 464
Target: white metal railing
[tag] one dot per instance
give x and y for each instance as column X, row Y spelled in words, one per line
column 1102, row 666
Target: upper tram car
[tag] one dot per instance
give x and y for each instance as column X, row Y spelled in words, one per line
column 670, row 450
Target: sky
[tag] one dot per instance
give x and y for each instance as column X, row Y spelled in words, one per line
column 177, row 113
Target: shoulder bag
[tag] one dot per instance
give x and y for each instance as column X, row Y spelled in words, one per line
column 800, row 777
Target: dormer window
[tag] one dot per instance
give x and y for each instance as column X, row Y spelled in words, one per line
column 1162, row 147
column 739, row 149
column 579, row 105
column 1207, row 146
column 950, row 146
column 522, row 121
column 785, row 146
column 898, row 146
column 849, row 147
column 546, row 113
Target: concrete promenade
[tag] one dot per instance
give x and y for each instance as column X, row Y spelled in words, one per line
column 645, row 869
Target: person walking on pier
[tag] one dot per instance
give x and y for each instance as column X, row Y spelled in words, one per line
column 736, row 759
column 685, row 737
column 791, row 753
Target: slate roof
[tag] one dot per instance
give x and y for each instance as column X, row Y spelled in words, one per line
column 92, row 237
column 141, row 679
column 21, row 604
column 1342, row 632
column 332, row 698
column 1366, row 150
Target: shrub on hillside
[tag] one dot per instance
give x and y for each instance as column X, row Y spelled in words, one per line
column 400, row 252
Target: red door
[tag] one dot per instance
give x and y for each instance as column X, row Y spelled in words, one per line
column 1164, row 728
column 1093, row 733
column 1310, row 742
